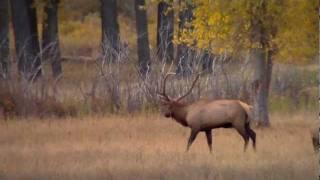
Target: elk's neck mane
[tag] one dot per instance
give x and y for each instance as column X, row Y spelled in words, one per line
column 179, row 113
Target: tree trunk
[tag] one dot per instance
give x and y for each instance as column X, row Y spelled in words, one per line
column 4, row 38
column 50, row 37
column 110, row 29
column 165, row 28
column 207, row 61
column 184, row 53
column 142, row 37
column 26, row 38
column 262, row 58
column 270, row 55
column 260, row 86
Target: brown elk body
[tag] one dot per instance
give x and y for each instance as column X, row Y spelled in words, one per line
column 205, row 115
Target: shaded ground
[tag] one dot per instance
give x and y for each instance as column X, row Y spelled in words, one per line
column 152, row 147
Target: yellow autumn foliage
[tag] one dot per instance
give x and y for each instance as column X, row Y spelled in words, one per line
column 224, row 26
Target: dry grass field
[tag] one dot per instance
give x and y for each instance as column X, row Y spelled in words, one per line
column 152, row 147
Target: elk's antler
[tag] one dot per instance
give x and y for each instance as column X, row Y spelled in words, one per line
column 163, row 93
column 189, row 91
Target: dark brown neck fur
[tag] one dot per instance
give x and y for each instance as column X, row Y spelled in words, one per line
column 179, row 113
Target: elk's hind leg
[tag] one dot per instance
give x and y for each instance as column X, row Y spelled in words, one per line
column 192, row 137
column 252, row 135
column 209, row 139
column 245, row 137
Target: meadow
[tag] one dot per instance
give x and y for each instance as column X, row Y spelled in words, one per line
column 149, row 146
column 101, row 121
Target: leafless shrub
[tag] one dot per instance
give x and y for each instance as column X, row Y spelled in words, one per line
column 134, row 98
column 34, row 96
column 217, row 83
column 34, row 99
column 290, row 81
column 118, row 87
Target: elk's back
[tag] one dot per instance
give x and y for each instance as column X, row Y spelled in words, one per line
column 214, row 114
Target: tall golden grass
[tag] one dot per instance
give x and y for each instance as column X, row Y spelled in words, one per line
column 152, row 147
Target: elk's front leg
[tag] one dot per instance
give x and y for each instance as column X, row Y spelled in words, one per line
column 209, row 139
column 192, row 137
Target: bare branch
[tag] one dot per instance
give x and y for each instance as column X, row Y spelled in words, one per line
column 163, row 94
column 189, row 91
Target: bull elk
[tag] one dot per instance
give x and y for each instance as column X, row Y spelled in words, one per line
column 205, row 115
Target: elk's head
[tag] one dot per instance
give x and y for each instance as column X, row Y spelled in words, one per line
column 170, row 104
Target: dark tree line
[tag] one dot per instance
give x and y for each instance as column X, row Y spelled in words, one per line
column 109, row 28
column 27, row 43
column 50, row 37
column 165, row 29
column 24, row 20
column 165, row 32
column 30, row 51
column 184, row 53
column 4, row 38
column 142, row 36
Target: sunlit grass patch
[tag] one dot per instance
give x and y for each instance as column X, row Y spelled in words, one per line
column 148, row 146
